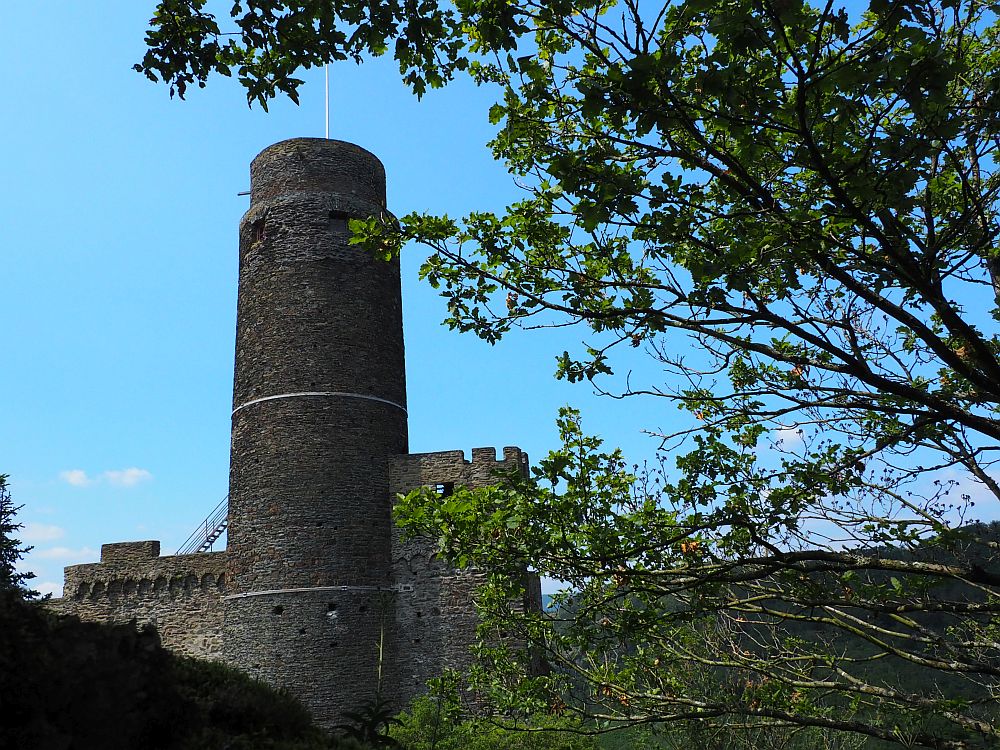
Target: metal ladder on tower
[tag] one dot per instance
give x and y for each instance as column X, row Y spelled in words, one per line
column 202, row 539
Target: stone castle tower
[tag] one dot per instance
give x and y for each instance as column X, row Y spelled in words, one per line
column 315, row 591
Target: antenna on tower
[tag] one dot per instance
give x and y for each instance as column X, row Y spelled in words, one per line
column 326, row 68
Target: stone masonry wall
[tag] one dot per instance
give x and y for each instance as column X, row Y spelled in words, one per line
column 431, row 628
column 181, row 595
column 319, row 406
column 435, row 616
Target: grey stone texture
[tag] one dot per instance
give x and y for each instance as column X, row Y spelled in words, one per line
column 308, row 489
column 180, row 595
column 435, row 621
column 316, row 591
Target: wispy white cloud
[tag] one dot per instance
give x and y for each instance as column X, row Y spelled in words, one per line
column 40, row 532
column 116, row 477
column 67, row 554
column 788, row 437
column 127, row 477
column 75, row 477
column 47, row 587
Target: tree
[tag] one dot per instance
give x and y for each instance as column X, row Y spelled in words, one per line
column 10, row 548
column 803, row 201
column 440, row 722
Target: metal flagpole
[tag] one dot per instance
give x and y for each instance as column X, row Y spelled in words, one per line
column 327, row 69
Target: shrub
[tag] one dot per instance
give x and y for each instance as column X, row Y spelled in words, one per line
column 71, row 684
column 437, row 723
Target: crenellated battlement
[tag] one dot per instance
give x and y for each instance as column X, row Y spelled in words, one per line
column 126, row 552
column 451, row 467
column 136, row 569
column 180, row 594
column 436, row 622
column 173, row 586
column 488, row 455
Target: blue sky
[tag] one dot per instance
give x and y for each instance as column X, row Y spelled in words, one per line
column 119, row 211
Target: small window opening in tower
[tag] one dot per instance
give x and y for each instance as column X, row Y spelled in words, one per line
column 445, row 489
column 338, row 220
column 278, row 610
column 258, row 231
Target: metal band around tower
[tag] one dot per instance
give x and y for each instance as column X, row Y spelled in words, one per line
column 399, row 588
column 337, row 394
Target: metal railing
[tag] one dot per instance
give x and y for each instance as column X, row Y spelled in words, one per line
column 202, row 539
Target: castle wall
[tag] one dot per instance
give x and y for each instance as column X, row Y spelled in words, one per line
column 435, row 619
column 180, row 595
column 423, row 613
column 317, row 592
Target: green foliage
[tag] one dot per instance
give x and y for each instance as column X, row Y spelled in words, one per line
column 370, row 724
column 11, row 581
column 733, row 737
column 793, row 211
column 276, row 39
column 437, row 723
column 66, row 683
column 223, row 707
column 670, row 614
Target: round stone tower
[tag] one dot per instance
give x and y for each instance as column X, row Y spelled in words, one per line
column 319, row 406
